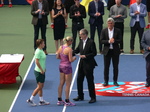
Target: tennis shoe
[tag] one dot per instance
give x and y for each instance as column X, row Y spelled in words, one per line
column 69, row 104
column 31, row 102
column 60, row 103
column 44, row 102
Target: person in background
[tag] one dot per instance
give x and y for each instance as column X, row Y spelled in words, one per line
column 64, row 53
column 39, row 11
column 77, row 13
column 146, row 45
column 96, row 12
column 68, row 4
column 39, row 72
column 51, row 4
column 59, row 15
column 111, row 38
column 137, row 23
column 2, row 3
column 110, row 3
column 148, row 12
column 87, row 50
column 119, row 12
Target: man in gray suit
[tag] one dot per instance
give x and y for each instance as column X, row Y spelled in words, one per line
column 137, row 23
column 39, row 11
column 146, row 45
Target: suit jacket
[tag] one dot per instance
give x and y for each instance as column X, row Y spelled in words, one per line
column 110, row 3
column 92, row 11
column 89, row 51
column 105, row 40
column 143, row 13
column 34, row 8
column 145, row 42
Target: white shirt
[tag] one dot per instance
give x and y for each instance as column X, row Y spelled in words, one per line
column 84, row 42
column 110, row 34
column 138, row 9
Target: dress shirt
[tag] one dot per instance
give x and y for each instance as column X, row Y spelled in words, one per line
column 84, row 42
column 96, row 6
column 40, row 7
column 138, row 9
column 111, row 33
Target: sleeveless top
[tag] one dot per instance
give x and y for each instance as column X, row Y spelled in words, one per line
column 64, row 58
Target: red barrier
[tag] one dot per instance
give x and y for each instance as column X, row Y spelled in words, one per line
column 29, row 1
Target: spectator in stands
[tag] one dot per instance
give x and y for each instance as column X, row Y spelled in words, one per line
column 119, row 12
column 137, row 23
column 59, row 15
column 96, row 12
column 146, row 45
column 51, row 4
column 148, row 11
column 64, row 53
column 39, row 72
column 77, row 13
column 2, row 3
column 39, row 11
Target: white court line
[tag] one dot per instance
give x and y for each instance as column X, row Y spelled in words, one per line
column 72, row 83
column 21, row 86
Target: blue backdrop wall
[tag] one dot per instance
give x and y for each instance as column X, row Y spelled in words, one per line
column 24, row 2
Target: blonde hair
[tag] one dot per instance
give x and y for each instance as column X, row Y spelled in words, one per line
column 68, row 38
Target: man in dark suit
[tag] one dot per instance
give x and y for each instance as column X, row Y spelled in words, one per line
column 111, row 38
column 87, row 50
column 39, row 11
column 96, row 12
column 145, row 42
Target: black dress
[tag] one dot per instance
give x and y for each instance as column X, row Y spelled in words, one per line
column 59, row 25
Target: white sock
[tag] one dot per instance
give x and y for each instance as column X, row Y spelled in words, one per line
column 31, row 98
column 52, row 23
column 2, row 2
column 10, row 3
column 41, row 98
column 149, row 23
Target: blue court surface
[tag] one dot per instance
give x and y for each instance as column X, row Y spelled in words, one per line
column 131, row 68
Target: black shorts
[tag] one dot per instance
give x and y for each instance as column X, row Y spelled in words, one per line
column 39, row 77
column 148, row 5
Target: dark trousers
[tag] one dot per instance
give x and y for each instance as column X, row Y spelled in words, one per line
column 92, row 32
column 76, row 27
column 36, row 33
column 88, row 73
column 134, row 29
column 148, row 69
column 120, row 25
column 115, row 62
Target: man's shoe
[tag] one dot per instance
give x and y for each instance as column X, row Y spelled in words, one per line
column 116, row 84
column 147, row 85
column 78, row 99
column 1, row 5
column 92, row 100
column 142, row 51
column 132, row 51
column 121, row 52
column 105, row 84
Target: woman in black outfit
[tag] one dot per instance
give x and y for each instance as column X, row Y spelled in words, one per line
column 59, row 15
